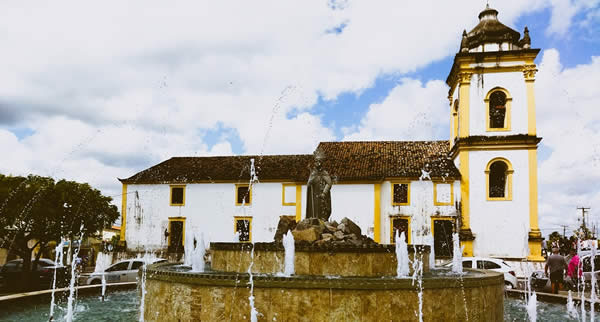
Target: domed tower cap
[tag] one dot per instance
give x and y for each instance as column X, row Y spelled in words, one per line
column 488, row 13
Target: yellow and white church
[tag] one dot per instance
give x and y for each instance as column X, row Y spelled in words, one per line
column 481, row 183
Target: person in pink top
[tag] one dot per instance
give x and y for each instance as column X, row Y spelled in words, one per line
column 574, row 270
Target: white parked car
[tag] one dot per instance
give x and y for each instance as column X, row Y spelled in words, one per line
column 123, row 271
column 493, row 264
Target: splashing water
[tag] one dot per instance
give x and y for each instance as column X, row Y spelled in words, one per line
column 431, row 253
column 402, row 255
column 571, row 306
column 58, row 261
column 457, row 255
column 424, row 175
column 417, row 265
column 103, row 261
column 253, row 311
column 71, row 299
column 148, row 259
column 532, row 307
column 288, row 245
column 198, row 255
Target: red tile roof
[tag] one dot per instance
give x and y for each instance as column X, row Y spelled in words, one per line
column 345, row 161
column 376, row 160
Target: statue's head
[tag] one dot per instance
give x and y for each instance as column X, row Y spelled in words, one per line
column 319, row 157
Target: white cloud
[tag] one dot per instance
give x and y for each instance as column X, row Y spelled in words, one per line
column 563, row 12
column 111, row 88
column 568, row 119
column 411, row 111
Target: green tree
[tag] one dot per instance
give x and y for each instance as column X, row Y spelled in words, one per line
column 36, row 210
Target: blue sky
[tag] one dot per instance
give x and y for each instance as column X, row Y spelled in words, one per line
column 88, row 100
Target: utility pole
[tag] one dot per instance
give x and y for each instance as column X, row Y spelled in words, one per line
column 583, row 211
column 564, row 230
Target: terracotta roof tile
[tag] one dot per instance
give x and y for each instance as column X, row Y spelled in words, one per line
column 376, row 160
column 346, row 161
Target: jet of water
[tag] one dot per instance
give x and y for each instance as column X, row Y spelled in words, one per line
column 457, row 255
column 58, row 261
column 198, row 255
column 71, row 299
column 431, row 253
column 402, row 255
column 288, row 245
column 532, row 307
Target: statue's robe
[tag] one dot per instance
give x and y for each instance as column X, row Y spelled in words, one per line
column 316, row 206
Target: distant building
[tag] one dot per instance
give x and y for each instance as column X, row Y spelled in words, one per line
column 483, row 179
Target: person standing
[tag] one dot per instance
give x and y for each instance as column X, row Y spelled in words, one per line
column 574, row 270
column 557, row 265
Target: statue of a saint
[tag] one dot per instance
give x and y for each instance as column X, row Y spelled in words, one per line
column 318, row 203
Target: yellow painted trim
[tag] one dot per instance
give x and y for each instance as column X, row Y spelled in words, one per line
column 509, row 173
column 377, row 212
column 464, row 188
column 123, row 212
column 238, row 218
column 434, row 218
column 531, row 126
column 535, row 251
column 283, row 203
column 507, row 116
column 463, row 105
column 392, row 241
column 172, row 219
column 249, row 202
column 454, row 123
column 407, row 183
column 533, row 191
column 298, row 202
column 435, row 201
column 171, row 194
column 468, row 247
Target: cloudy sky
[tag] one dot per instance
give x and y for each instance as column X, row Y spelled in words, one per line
column 92, row 92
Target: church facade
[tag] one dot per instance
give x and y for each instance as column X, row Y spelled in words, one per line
column 481, row 183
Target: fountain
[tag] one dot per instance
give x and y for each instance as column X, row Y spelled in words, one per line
column 330, row 272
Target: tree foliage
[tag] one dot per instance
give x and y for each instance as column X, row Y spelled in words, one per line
column 36, row 210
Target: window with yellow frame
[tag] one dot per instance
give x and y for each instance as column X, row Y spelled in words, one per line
column 177, row 195
column 498, row 109
column 399, row 224
column 288, row 194
column 400, row 193
column 443, row 193
column 498, row 180
column 242, row 226
column 243, row 195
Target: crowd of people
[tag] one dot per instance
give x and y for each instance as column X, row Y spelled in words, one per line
column 557, row 265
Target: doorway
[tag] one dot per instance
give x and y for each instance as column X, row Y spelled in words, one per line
column 442, row 237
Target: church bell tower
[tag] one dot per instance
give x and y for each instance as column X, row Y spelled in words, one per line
column 493, row 140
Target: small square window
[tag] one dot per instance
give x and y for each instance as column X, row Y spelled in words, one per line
column 177, row 195
column 243, row 228
column 243, row 195
column 288, row 194
column 400, row 194
column 443, row 194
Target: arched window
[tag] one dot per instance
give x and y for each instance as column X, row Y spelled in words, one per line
column 499, row 179
column 498, row 103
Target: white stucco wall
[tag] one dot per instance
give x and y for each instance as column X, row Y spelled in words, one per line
column 514, row 83
column 500, row 227
column 420, row 210
column 208, row 209
column 355, row 201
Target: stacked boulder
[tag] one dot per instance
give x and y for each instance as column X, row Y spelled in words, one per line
column 317, row 232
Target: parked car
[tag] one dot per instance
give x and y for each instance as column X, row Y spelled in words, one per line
column 494, row 264
column 123, row 271
column 11, row 274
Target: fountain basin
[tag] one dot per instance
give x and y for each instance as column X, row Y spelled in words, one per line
column 215, row 296
column 326, row 260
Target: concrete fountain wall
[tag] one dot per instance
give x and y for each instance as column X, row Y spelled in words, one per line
column 222, row 295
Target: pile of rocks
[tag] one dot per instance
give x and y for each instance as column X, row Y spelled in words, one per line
column 318, row 232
